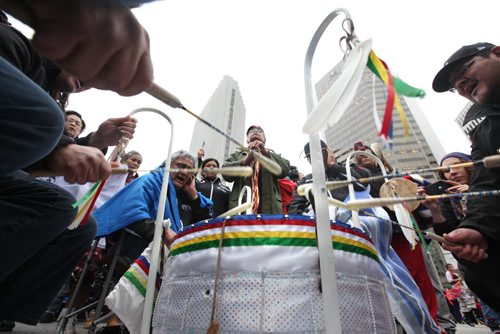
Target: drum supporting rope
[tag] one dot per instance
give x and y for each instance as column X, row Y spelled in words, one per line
column 214, row 325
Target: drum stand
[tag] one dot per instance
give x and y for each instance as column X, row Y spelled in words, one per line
column 99, row 303
column 327, row 266
column 69, row 308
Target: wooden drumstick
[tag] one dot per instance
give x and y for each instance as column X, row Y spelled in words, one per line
column 428, row 234
column 492, row 161
column 161, row 94
column 357, row 205
column 232, row 171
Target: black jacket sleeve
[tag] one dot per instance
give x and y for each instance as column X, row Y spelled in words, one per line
column 483, row 213
column 299, row 204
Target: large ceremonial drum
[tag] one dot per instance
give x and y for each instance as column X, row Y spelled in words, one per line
column 269, row 279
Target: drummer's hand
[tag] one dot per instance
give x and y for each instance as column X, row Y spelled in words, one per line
column 431, row 204
column 100, row 43
column 201, row 153
column 458, row 188
column 190, row 187
column 257, row 146
column 169, row 237
column 473, row 245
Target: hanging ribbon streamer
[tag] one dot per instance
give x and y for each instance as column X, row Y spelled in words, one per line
column 395, row 86
column 86, row 203
column 419, row 233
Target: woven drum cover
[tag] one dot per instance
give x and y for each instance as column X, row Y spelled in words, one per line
column 258, row 302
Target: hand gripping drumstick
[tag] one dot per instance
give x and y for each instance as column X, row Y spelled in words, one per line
column 169, row 99
column 428, row 234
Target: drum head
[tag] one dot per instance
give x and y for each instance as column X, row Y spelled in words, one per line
column 400, row 188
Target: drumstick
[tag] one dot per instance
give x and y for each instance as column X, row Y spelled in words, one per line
column 428, row 234
column 236, row 210
column 49, row 173
column 492, row 161
column 356, row 205
column 232, row 171
column 169, row 99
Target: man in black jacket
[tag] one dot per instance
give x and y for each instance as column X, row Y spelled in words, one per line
column 474, row 72
column 333, row 172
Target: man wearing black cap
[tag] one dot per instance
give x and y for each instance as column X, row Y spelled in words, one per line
column 266, row 195
column 333, row 172
column 474, row 72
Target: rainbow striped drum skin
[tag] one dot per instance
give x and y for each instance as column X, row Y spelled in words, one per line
column 269, row 278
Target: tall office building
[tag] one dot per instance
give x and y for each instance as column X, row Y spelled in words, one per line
column 226, row 111
column 420, row 149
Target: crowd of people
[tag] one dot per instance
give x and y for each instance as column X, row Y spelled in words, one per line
column 38, row 134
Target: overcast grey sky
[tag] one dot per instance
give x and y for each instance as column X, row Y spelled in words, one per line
column 262, row 45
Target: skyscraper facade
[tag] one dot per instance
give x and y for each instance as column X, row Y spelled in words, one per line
column 460, row 119
column 420, row 149
column 226, row 111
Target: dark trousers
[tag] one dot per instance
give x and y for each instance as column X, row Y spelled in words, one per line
column 37, row 252
column 31, row 123
column 455, row 310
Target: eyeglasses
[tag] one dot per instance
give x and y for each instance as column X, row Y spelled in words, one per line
column 255, row 130
column 180, row 165
column 72, row 121
column 457, row 75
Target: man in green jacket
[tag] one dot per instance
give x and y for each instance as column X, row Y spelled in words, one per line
column 266, row 196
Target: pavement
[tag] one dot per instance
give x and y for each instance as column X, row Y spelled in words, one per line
column 52, row 328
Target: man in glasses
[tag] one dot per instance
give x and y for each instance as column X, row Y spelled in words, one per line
column 473, row 71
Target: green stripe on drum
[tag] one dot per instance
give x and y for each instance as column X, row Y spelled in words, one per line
column 135, row 282
column 355, row 249
column 294, row 242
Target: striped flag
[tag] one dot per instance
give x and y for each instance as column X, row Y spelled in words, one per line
column 127, row 298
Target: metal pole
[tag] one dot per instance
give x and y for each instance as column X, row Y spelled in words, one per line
column 326, row 258
column 157, row 241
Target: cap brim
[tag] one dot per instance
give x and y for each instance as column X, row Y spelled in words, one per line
column 441, row 82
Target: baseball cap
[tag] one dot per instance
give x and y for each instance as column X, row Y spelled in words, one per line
column 307, row 150
column 254, row 127
column 441, row 81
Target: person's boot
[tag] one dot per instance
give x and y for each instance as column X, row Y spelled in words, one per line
column 113, row 321
column 47, row 318
column 7, row 325
column 90, row 319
